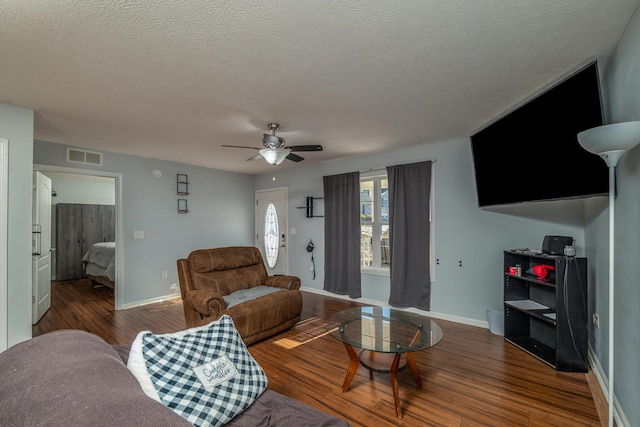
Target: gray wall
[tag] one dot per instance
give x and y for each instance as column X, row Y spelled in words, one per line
column 622, row 102
column 16, row 125
column 221, row 213
column 76, row 188
column 464, row 232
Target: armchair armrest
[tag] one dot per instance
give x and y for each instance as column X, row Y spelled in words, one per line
column 286, row 282
column 206, row 303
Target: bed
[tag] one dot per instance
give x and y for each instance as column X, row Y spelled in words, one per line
column 99, row 263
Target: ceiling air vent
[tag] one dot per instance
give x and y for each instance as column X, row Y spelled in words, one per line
column 82, row 156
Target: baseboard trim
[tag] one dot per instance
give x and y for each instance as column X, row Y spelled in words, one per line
column 599, row 385
column 151, row 300
column 435, row 315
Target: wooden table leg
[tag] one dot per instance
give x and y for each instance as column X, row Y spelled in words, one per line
column 394, row 384
column 354, row 362
column 411, row 361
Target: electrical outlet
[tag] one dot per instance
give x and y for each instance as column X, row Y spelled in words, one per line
column 596, row 320
column 163, row 274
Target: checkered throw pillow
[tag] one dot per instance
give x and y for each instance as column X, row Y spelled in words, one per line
column 204, row 374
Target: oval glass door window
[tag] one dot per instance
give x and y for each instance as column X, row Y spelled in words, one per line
column 271, row 233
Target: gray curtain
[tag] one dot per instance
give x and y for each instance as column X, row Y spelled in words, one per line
column 342, row 234
column 409, row 194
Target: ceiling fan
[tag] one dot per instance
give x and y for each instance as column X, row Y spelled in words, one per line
column 275, row 151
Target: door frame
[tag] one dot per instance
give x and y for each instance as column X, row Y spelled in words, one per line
column 118, row 291
column 285, row 190
column 4, row 253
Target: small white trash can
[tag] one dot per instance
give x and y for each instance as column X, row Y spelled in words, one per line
column 496, row 321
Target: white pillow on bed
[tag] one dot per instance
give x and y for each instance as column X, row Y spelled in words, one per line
column 204, row 374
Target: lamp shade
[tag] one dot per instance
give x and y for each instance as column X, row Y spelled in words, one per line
column 611, row 141
column 274, row 156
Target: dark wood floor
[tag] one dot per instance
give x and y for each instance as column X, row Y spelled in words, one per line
column 472, row 378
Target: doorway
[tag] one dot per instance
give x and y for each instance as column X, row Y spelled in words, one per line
column 271, row 229
column 41, row 246
column 88, row 188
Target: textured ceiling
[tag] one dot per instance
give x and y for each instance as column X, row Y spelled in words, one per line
column 174, row 80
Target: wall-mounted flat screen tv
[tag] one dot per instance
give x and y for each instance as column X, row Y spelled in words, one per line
column 533, row 154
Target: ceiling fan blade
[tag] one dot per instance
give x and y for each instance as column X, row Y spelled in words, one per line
column 310, row 147
column 294, row 157
column 256, row 157
column 241, row 146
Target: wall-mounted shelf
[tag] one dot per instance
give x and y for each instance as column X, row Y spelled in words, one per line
column 182, row 184
column 182, row 189
column 309, row 207
column 182, row 206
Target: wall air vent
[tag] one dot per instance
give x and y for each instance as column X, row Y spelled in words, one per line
column 83, row 156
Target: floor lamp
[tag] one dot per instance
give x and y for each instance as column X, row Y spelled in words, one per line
column 611, row 142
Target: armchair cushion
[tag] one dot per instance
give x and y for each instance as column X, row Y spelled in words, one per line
column 244, row 295
column 226, row 271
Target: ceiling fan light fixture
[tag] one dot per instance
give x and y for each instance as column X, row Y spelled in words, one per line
column 274, row 156
column 275, row 151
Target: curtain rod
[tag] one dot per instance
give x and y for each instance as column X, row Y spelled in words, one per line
column 384, row 168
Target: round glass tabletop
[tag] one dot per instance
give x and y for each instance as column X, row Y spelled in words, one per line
column 384, row 330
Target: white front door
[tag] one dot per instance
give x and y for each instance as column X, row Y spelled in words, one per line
column 271, row 229
column 41, row 280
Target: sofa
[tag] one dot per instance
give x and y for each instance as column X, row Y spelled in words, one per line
column 74, row 378
column 233, row 280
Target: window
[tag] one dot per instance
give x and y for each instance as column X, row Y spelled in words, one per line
column 271, row 233
column 374, row 224
column 374, row 221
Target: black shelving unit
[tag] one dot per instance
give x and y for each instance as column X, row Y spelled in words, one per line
column 547, row 317
column 309, row 207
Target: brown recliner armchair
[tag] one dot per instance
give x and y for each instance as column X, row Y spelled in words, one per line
column 234, row 281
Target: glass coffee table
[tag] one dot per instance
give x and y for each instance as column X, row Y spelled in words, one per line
column 388, row 340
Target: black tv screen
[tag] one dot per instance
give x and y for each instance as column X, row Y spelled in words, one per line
column 533, row 154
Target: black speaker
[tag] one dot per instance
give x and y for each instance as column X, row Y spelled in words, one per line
column 554, row 245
